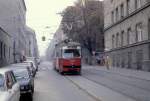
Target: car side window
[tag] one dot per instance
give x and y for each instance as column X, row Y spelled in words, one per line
column 13, row 77
column 9, row 81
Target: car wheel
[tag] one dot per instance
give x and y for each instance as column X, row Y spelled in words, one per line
column 31, row 97
column 32, row 89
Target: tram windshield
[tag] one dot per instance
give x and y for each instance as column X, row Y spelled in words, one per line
column 71, row 53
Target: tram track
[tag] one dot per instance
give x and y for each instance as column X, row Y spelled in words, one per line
column 123, row 79
column 114, row 89
column 97, row 98
column 84, row 90
column 110, row 88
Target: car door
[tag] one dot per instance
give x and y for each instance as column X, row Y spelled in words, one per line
column 11, row 87
column 15, row 87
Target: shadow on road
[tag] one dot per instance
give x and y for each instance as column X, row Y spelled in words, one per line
column 26, row 97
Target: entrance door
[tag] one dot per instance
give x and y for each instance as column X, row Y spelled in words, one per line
column 129, row 59
column 139, row 59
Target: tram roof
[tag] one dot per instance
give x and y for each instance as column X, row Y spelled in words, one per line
column 61, row 44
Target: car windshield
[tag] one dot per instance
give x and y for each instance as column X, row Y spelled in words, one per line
column 70, row 53
column 21, row 74
column 1, row 81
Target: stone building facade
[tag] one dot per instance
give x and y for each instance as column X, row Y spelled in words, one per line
column 13, row 36
column 57, row 38
column 127, row 33
column 5, row 48
column 32, row 48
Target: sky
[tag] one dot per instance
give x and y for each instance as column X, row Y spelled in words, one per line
column 43, row 17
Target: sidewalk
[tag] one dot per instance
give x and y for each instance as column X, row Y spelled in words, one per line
column 126, row 72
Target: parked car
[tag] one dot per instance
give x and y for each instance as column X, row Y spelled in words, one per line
column 29, row 65
column 99, row 56
column 25, row 80
column 33, row 59
column 32, row 63
column 38, row 61
column 9, row 87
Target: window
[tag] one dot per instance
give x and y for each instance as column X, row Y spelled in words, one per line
column 149, row 29
column 128, row 6
column 1, row 47
column 117, row 40
column 139, row 36
column 4, row 50
column 112, row 17
column 13, row 77
column 117, row 14
column 122, row 38
column 113, row 41
column 2, row 81
column 129, row 36
column 70, row 53
column 122, row 11
column 9, row 81
column 111, row 1
column 137, row 4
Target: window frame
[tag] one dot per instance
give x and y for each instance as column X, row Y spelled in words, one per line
column 128, row 7
column 122, row 11
column 139, row 32
column 122, row 38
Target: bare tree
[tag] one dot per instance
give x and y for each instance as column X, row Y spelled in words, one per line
column 84, row 24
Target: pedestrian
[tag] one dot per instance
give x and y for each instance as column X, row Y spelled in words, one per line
column 107, row 62
column 103, row 61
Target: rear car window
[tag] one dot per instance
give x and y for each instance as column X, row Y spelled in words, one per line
column 21, row 74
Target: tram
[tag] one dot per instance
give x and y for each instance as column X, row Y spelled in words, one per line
column 67, row 57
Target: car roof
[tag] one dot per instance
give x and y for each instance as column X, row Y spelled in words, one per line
column 30, row 58
column 28, row 61
column 11, row 68
column 3, row 70
column 19, row 65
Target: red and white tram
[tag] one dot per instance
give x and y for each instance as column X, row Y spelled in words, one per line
column 67, row 57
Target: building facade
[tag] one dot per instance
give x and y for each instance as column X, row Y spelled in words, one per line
column 32, row 48
column 127, row 33
column 57, row 38
column 5, row 48
column 13, row 36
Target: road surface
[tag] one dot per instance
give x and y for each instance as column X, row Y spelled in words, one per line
column 93, row 85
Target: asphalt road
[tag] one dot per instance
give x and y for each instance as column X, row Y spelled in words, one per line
column 135, row 88
column 92, row 85
column 51, row 86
